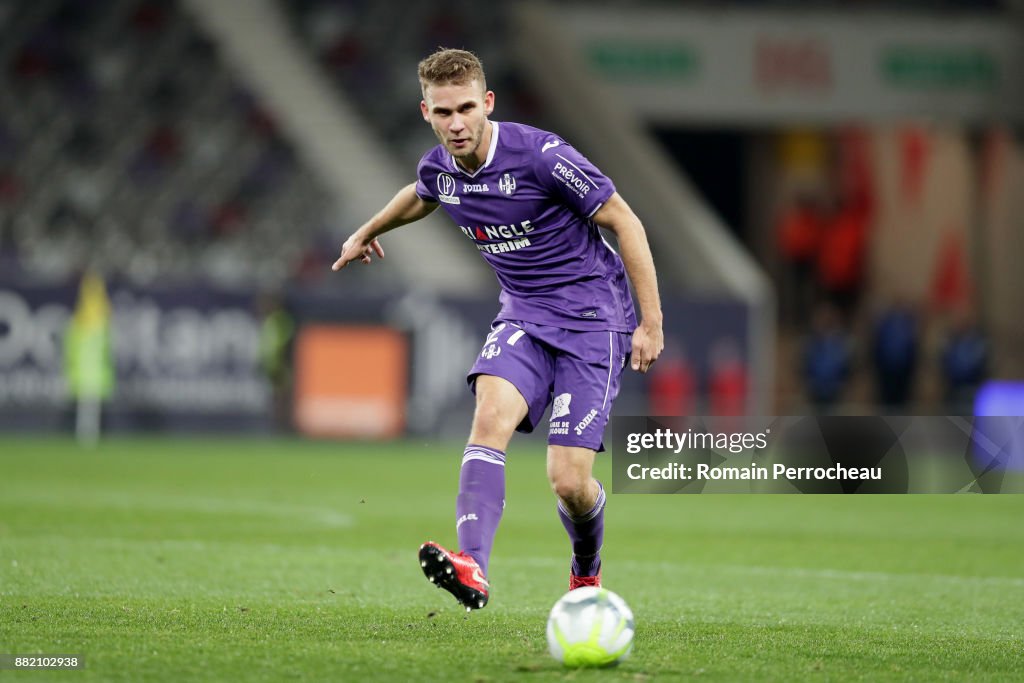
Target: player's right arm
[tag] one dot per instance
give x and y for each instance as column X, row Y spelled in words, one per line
column 405, row 207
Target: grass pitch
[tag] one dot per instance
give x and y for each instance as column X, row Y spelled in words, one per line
column 223, row 560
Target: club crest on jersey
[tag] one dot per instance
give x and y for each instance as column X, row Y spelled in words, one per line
column 507, row 184
column 446, row 189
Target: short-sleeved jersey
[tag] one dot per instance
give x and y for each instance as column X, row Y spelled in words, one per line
column 528, row 210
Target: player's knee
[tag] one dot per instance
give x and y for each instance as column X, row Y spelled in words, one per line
column 569, row 473
column 489, row 416
column 491, row 421
column 499, row 410
column 569, row 484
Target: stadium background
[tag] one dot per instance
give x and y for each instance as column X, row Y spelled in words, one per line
column 804, row 173
column 207, row 160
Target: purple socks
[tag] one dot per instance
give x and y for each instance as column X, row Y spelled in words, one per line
column 587, row 534
column 480, row 502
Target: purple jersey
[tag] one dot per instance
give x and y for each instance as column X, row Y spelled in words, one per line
column 528, row 209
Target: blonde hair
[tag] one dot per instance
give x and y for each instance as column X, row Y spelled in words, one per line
column 451, row 67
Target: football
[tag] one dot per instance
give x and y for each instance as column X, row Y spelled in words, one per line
column 590, row 627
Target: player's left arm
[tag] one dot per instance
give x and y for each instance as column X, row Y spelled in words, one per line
column 648, row 339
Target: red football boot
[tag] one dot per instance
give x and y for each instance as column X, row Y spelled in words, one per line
column 581, row 581
column 457, row 573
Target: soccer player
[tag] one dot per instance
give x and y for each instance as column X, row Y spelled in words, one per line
column 531, row 204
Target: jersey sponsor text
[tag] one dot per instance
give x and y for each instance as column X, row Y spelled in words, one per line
column 568, row 176
column 497, row 232
column 504, row 247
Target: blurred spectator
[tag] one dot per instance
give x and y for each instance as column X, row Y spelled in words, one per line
column 895, row 350
column 321, row 247
column 268, row 172
column 187, row 223
column 8, row 144
column 148, row 18
column 33, row 59
column 228, row 218
column 827, row 359
column 164, row 98
column 161, row 149
column 11, row 188
column 672, row 384
column 841, row 256
column 276, row 336
column 727, row 380
column 84, row 146
column 163, row 144
column 799, row 238
column 88, row 356
column 965, row 357
column 951, row 286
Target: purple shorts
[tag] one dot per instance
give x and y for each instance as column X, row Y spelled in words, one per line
column 577, row 372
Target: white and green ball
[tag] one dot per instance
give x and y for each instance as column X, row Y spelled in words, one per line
column 590, row 627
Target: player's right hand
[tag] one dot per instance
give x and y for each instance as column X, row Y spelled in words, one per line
column 357, row 249
column 648, row 343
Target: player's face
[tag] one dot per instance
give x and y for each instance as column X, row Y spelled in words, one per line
column 458, row 114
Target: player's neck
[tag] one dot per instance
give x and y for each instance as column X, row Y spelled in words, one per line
column 473, row 163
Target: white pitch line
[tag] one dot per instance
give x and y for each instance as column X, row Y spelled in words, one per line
column 792, row 572
column 120, row 500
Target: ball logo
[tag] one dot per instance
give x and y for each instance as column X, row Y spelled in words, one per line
column 507, row 184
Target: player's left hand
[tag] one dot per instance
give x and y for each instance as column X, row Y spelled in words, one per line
column 648, row 343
